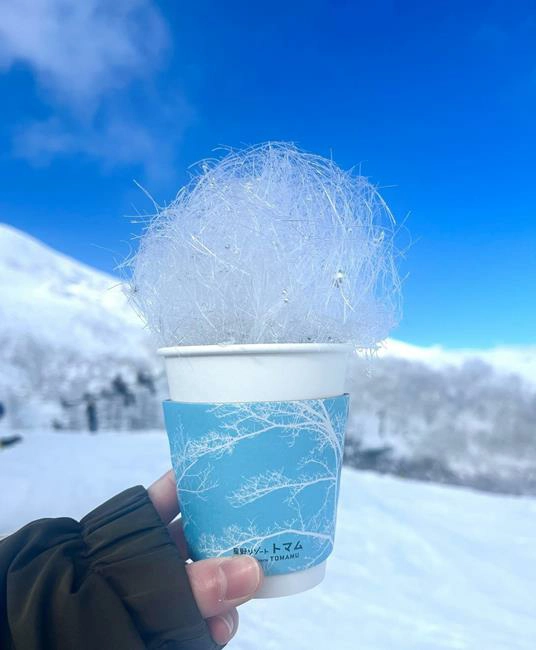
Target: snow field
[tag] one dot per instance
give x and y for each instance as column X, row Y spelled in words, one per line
column 416, row 566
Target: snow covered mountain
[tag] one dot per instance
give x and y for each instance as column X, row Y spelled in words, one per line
column 62, row 302
column 505, row 359
column 66, row 330
column 66, row 304
column 72, row 351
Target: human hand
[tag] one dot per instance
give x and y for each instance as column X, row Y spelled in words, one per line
column 219, row 585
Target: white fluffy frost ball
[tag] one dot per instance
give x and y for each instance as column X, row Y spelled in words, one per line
column 269, row 245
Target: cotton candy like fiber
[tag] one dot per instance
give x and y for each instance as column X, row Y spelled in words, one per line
column 269, row 245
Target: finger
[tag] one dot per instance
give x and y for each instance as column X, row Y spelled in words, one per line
column 163, row 494
column 223, row 627
column 219, row 584
column 176, row 532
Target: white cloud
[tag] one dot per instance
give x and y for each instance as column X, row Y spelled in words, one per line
column 80, row 49
column 85, row 55
column 117, row 140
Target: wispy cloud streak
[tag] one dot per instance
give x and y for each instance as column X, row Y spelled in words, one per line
column 86, row 58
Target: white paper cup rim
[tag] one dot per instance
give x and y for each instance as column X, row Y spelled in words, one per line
column 251, row 348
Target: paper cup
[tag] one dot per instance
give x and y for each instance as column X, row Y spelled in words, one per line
column 256, row 436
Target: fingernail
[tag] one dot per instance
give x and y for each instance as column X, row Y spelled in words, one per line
column 229, row 622
column 242, row 576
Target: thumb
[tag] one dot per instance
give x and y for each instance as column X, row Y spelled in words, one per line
column 219, row 584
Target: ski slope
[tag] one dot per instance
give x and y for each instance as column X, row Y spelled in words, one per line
column 416, row 566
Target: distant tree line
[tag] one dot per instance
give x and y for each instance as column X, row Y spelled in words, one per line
column 464, row 424
column 118, row 406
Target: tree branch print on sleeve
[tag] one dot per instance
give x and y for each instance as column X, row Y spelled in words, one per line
column 312, row 430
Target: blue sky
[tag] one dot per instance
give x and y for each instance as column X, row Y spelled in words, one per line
column 435, row 101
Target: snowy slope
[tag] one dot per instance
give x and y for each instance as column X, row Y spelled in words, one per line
column 65, row 329
column 415, row 567
column 62, row 302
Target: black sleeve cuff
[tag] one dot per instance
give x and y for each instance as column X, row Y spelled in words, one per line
column 130, row 547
